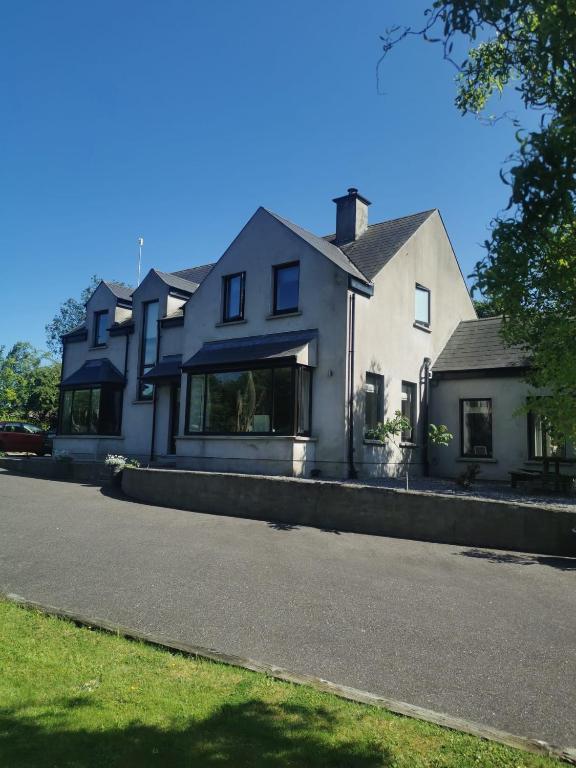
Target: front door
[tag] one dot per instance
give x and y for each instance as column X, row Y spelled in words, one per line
column 174, row 416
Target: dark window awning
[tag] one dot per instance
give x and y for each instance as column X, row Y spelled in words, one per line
column 298, row 347
column 169, row 368
column 94, row 373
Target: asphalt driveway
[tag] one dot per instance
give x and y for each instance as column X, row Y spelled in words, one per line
column 486, row 636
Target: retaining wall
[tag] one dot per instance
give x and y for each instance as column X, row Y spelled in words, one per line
column 76, row 471
column 360, row 509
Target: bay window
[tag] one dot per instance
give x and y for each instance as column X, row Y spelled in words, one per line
column 263, row 401
column 91, row 411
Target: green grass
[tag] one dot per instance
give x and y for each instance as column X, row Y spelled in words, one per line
column 71, row 697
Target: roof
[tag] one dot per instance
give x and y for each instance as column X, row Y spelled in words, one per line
column 250, row 349
column 373, row 249
column 120, row 291
column 99, row 371
column 79, row 330
column 332, row 252
column 194, row 274
column 178, row 283
column 477, row 345
column 170, row 367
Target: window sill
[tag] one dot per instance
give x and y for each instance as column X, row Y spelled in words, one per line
column 97, row 347
column 293, row 438
column 425, row 328
column 409, row 445
column 283, row 314
column 476, row 460
column 90, row 437
column 224, row 323
column 143, row 402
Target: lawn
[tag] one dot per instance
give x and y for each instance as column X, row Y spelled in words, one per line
column 71, row 697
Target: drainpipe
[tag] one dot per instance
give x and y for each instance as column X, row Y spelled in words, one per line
column 426, row 408
column 352, row 473
column 155, row 395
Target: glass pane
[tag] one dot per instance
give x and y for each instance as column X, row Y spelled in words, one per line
column 408, row 409
column 283, row 397
column 80, row 411
column 101, row 323
column 94, row 411
column 554, row 448
column 150, row 333
column 239, row 401
column 373, row 400
column 196, row 404
column 65, row 426
column 422, row 310
column 304, row 381
column 146, row 388
column 477, row 428
column 287, row 279
column 233, row 309
column 110, row 411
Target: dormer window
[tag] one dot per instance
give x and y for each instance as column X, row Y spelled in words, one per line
column 100, row 328
column 233, row 297
column 286, row 288
column 422, row 306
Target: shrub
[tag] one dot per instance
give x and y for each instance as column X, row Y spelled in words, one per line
column 469, row 476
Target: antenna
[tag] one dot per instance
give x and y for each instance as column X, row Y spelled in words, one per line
column 140, row 244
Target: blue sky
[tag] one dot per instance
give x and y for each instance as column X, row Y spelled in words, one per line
column 175, row 120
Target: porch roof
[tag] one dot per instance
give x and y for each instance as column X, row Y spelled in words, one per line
column 295, row 346
column 168, row 368
column 94, row 372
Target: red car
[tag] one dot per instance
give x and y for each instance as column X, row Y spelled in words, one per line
column 20, row 437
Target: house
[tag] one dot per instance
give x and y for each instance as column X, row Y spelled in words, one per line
column 277, row 358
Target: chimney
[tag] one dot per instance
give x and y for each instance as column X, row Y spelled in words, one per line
column 351, row 216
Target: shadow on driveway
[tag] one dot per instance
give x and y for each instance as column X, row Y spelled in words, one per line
column 561, row 563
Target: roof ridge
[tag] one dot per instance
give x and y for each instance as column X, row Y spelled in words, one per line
column 196, row 266
column 482, row 319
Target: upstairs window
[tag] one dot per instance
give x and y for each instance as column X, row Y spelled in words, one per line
column 100, row 328
column 149, row 347
column 374, row 400
column 409, row 411
column 233, row 298
column 476, row 428
column 286, row 288
column 422, row 306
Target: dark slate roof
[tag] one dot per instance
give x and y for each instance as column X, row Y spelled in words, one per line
column 194, row 274
column 478, row 345
column 321, row 244
column 79, row 330
column 380, row 242
column 120, row 291
column 99, row 371
column 178, row 283
column 250, row 349
column 169, row 367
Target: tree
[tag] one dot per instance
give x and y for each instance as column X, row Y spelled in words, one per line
column 71, row 314
column 529, row 271
column 486, row 307
column 25, row 383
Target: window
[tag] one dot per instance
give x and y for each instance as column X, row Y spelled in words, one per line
column 258, row 401
column 538, row 439
column 286, row 288
column 100, row 328
column 476, row 428
column 149, row 348
column 374, row 400
column 233, row 297
column 409, row 411
column 422, row 305
column 91, row 411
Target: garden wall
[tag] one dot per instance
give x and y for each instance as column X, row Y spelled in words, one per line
column 360, row 508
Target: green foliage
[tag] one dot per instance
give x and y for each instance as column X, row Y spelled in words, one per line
column 28, row 388
column 71, row 314
column 486, row 307
column 439, row 435
column 529, row 272
column 389, row 429
column 42, row 405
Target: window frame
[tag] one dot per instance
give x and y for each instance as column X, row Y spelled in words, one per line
column 422, row 323
column 276, row 269
column 404, row 437
column 226, row 279
column 97, row 316
column 109, row 388
column 379, row 402
column 532, row 455
column 464, row 455
column 294, row 406
column 141, row 362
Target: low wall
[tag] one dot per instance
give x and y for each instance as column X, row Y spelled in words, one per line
column 76, row 471
column 360, row 509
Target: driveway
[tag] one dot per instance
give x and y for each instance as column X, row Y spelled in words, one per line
column 486, row 636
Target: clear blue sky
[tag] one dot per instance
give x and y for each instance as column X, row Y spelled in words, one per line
column 175, row 120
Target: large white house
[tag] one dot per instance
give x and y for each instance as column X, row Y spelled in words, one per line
column 280, row 356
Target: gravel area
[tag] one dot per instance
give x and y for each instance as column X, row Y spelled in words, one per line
column 480, row 490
